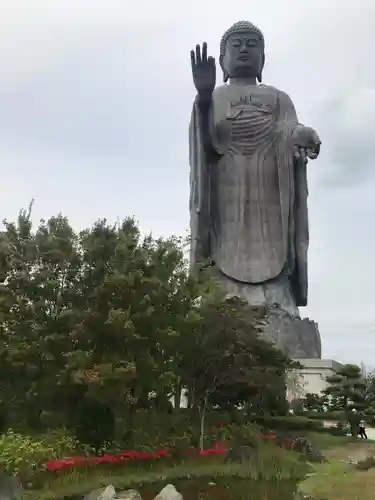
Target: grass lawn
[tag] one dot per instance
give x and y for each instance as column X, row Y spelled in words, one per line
column 338, row 479
column 324, row 441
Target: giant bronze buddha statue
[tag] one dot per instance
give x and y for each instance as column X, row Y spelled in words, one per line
column 248, row 186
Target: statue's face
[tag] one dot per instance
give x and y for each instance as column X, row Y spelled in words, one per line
column 243, row 54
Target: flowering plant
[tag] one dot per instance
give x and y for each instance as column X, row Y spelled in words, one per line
column 63, row 464
column 125, row 456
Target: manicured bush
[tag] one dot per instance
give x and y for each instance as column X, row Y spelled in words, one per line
column 290, row 423
column 335, row 430
column 325, row 415
column 367, row 415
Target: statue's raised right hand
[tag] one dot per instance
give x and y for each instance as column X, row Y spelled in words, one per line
column 204, row 71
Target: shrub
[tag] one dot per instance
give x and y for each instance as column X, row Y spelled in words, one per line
column 370, row 419
column 341, row 416
column 275, row 463
column 239, row 435
column 24, row 455
column 152, row 430
column 325, row 415
column 94, row 423
column 149, row 429
column 334, row 431
column 291, row 423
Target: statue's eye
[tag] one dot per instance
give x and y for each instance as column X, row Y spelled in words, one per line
column 251, row 42
column 236, row 43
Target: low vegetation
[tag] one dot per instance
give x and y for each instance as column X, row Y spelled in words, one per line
column 270, row 463
column 348, row 474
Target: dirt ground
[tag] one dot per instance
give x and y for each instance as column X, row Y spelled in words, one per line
column 339, row 479
column 351, row 451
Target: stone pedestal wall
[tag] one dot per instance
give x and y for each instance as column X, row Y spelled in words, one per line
column 298, row 338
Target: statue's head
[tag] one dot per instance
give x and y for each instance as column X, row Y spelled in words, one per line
column 242, row 51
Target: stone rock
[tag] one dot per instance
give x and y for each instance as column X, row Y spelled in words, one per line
column 10, row 487
column 240, row 454
column 315, row 456
column 169, row 492
column 107, row 493
column 128, row 495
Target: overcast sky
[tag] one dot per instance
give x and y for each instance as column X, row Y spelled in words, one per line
column 95, row 100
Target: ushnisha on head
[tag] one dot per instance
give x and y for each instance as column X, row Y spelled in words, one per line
column 242, row 51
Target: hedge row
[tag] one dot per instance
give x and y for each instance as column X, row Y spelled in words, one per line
column 325, row 415
column 337, row 416
column 290, row 423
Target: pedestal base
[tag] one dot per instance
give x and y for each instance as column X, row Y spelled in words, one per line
column 298, row 338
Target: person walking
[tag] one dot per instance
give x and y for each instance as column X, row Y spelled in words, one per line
column 362, row 429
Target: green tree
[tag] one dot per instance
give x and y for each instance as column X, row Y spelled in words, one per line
column 225, row 363
column 347, row 389
column 369, row 380
column 38, row 271
column 105, row 318
column 295, row 385
column 315, row 402
column 93, row 314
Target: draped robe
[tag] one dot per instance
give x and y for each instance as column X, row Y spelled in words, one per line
column 248, row 206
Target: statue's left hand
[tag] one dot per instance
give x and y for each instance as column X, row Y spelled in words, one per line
column 306, row 143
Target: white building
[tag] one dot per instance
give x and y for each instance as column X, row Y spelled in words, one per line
column 312, row 378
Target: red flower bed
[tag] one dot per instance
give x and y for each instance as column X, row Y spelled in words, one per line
column 133, row 456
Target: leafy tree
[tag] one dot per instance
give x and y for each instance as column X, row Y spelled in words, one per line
column 93, row 314
column 38, row 271
column 347, row 389
column 315, row 402
column 94, row 423
column 369, row 380
column 295, row 385
column 225, row 362
column 107, row 319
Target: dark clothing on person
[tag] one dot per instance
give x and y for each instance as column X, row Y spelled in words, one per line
column 362, row 432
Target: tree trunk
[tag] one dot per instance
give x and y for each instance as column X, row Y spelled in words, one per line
column 190, row 397
column 177, row 398
column 202, row 414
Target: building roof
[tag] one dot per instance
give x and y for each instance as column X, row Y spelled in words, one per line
column 320, row 364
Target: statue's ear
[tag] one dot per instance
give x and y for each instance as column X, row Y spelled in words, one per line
column 261, row 66
column 225, row 72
